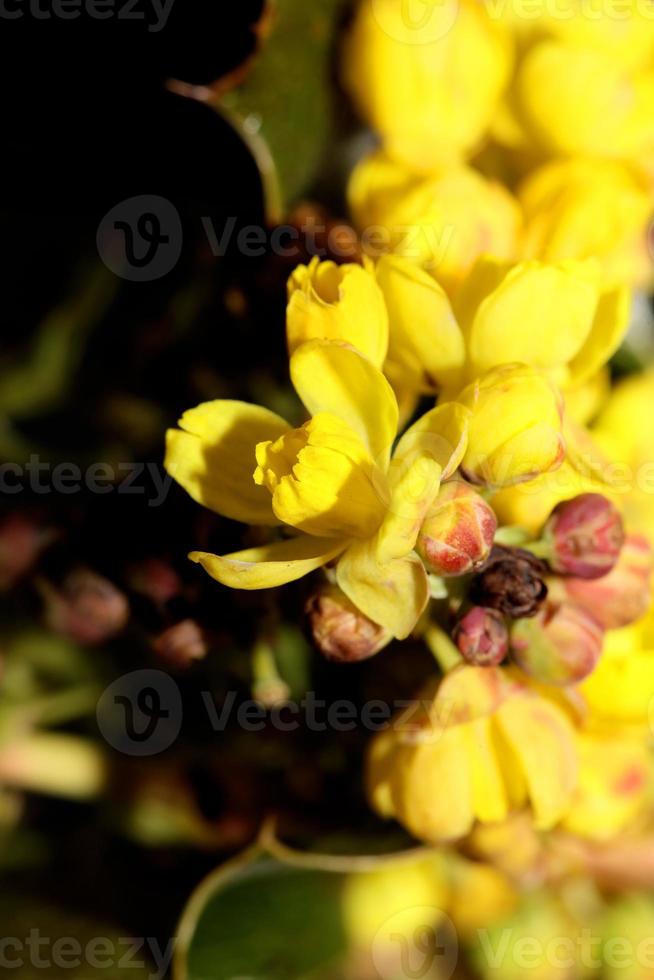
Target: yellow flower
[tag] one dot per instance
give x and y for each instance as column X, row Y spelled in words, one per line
column 613, row 786
column 482, row 746
column 442, row 221
column 515, row 429
column 382, row 904
column 628, row 440
column 553, row 317
column 331, row 302
column 620, row 691
column 480, row 895
column 332, row 479
column 410, row 76
column 582, row 101
column 577, row 209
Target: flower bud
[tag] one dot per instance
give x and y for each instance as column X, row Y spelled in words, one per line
column 584, row 536
column 181, row 644
column 21, row 542
column 88, row 607
column 622, row 596
column 156, row 579
column 561, row 645
column 457, row 535
column 515, row 430
column 512, row 581
column 482, row 637
column 341, row 631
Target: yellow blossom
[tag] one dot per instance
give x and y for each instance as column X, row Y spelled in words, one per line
column 556, row 318
column 626, row 437
column 581, row 208
column 483, row 745
column 332, row 479
column 620, row 691
column 582, row 101
column 443, row 221
column 331, row 302
column 613, row 786
column 515, row 428
column 410, row 76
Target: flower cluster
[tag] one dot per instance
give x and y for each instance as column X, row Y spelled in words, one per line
column 449, row 475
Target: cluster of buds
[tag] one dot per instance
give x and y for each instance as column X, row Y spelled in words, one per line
column 549, row 603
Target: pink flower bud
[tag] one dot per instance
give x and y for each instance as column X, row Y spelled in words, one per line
column 560, row 645
column 181, row 644
column 625, row 594
column 341, row 631
column 457, row 535
column 88, row 608
column 584, row 535
column 482, row 637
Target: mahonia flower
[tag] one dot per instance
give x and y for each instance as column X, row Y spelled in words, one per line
column 556, row 318
column 412, row 78
column 331, row 302
column 620, row 691
column 481, row 746
column 441, row 221
column 614, row 784
column 582, row 208
column 332, row 479
column 625, row 438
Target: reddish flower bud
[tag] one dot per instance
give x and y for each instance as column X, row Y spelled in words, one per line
column 181, row 644
column 88, row 607
column 156, row 579
column 341, row 631
column 482, row 637
column 561, row 645
column 584, row 536
column 512, row 581
column 625, row 594
column 21, row 542
column 457, row 535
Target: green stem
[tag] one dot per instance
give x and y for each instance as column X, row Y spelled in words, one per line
column 443, row 650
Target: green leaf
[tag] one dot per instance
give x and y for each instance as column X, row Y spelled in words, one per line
column 260, row 919
column 283, row 110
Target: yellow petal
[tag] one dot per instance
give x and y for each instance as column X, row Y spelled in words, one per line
column 414, row 490
column 330, row 377
column 441, row 434
column 608, row 330
column 426, row 346
column 270, row 565
column 489, row 797
column 538, row 314
column 331, row 302
column 542, row 741
column 214, row 457
column 393, row 594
